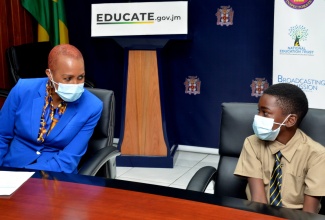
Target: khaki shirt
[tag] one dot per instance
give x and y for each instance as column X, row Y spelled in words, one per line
column 303, row 167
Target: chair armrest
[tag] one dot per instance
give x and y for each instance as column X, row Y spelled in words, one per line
column 4, row 93
column 95, row 162
column 202, row 178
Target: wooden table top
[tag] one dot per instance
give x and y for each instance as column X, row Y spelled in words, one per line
column 44, row 199
column 53, row 195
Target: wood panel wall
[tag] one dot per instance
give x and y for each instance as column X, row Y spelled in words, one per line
column 17, row 27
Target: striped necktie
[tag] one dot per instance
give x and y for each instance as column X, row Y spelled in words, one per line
column 276, row 181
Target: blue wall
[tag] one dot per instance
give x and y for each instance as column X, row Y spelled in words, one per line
column 225, row 59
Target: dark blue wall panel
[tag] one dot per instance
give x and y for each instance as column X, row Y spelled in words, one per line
column 225, row 59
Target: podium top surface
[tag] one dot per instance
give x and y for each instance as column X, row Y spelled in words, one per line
column 146, row 42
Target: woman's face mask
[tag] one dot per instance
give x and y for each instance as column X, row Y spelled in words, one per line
column 262, row 127
column 68, row 92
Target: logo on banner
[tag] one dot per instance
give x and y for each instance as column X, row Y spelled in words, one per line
column 192, row 85
column 258, row 86
column 298, row 4
column 298, row 34
column 225, row 16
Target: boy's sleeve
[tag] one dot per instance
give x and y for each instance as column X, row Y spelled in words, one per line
column 315, row 178
column 248, row 164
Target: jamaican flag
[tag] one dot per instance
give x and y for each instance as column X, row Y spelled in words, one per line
column 50, row 15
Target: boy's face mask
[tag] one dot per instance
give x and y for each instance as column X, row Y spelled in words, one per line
column 262, row 127
column 68, row 92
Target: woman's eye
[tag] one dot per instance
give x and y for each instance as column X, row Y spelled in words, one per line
column 67, row 79
column 81, row 77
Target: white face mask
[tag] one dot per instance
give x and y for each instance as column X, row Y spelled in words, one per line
column 68, row 92
column 262, row 127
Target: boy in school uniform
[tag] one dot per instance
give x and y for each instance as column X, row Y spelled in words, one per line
column 283, row 165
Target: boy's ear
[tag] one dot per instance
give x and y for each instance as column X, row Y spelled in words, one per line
column 292, row 120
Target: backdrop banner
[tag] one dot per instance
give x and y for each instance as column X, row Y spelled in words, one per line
column 227, row 57
column 299, row 47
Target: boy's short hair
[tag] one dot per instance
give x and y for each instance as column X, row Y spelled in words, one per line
column 290, row 98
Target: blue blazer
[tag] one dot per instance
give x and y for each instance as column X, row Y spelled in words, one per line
column 63, row 147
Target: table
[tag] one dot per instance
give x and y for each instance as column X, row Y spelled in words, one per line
column 50, row 195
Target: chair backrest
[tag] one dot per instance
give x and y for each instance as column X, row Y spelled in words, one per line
column 236, row 125
column 28, row 60
column 104, row 131
column 314, row 125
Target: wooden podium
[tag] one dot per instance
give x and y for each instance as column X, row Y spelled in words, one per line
column 143, row 137
column 142, row 28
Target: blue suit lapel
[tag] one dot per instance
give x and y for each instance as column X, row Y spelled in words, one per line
column 37, row 109
column 64, row 120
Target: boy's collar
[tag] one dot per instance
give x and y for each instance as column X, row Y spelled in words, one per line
column 289, row 149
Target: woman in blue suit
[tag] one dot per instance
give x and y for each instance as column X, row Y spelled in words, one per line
column 46, row 123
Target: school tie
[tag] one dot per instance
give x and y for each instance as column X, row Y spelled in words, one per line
column 276, row 181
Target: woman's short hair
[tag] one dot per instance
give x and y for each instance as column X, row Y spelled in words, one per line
column 62, row 49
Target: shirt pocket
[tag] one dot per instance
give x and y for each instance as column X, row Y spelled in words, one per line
column 293, row 187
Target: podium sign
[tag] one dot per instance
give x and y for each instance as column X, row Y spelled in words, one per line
column 141, row 18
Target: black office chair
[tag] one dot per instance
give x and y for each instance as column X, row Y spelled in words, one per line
column 30, row 61
column 4, row 93
column 100, row 157
column 236, row 125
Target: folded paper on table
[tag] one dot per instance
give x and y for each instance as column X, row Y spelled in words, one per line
column 10, row 181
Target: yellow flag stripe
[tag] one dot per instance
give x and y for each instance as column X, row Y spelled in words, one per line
column 64, row 36
column 42, row 34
